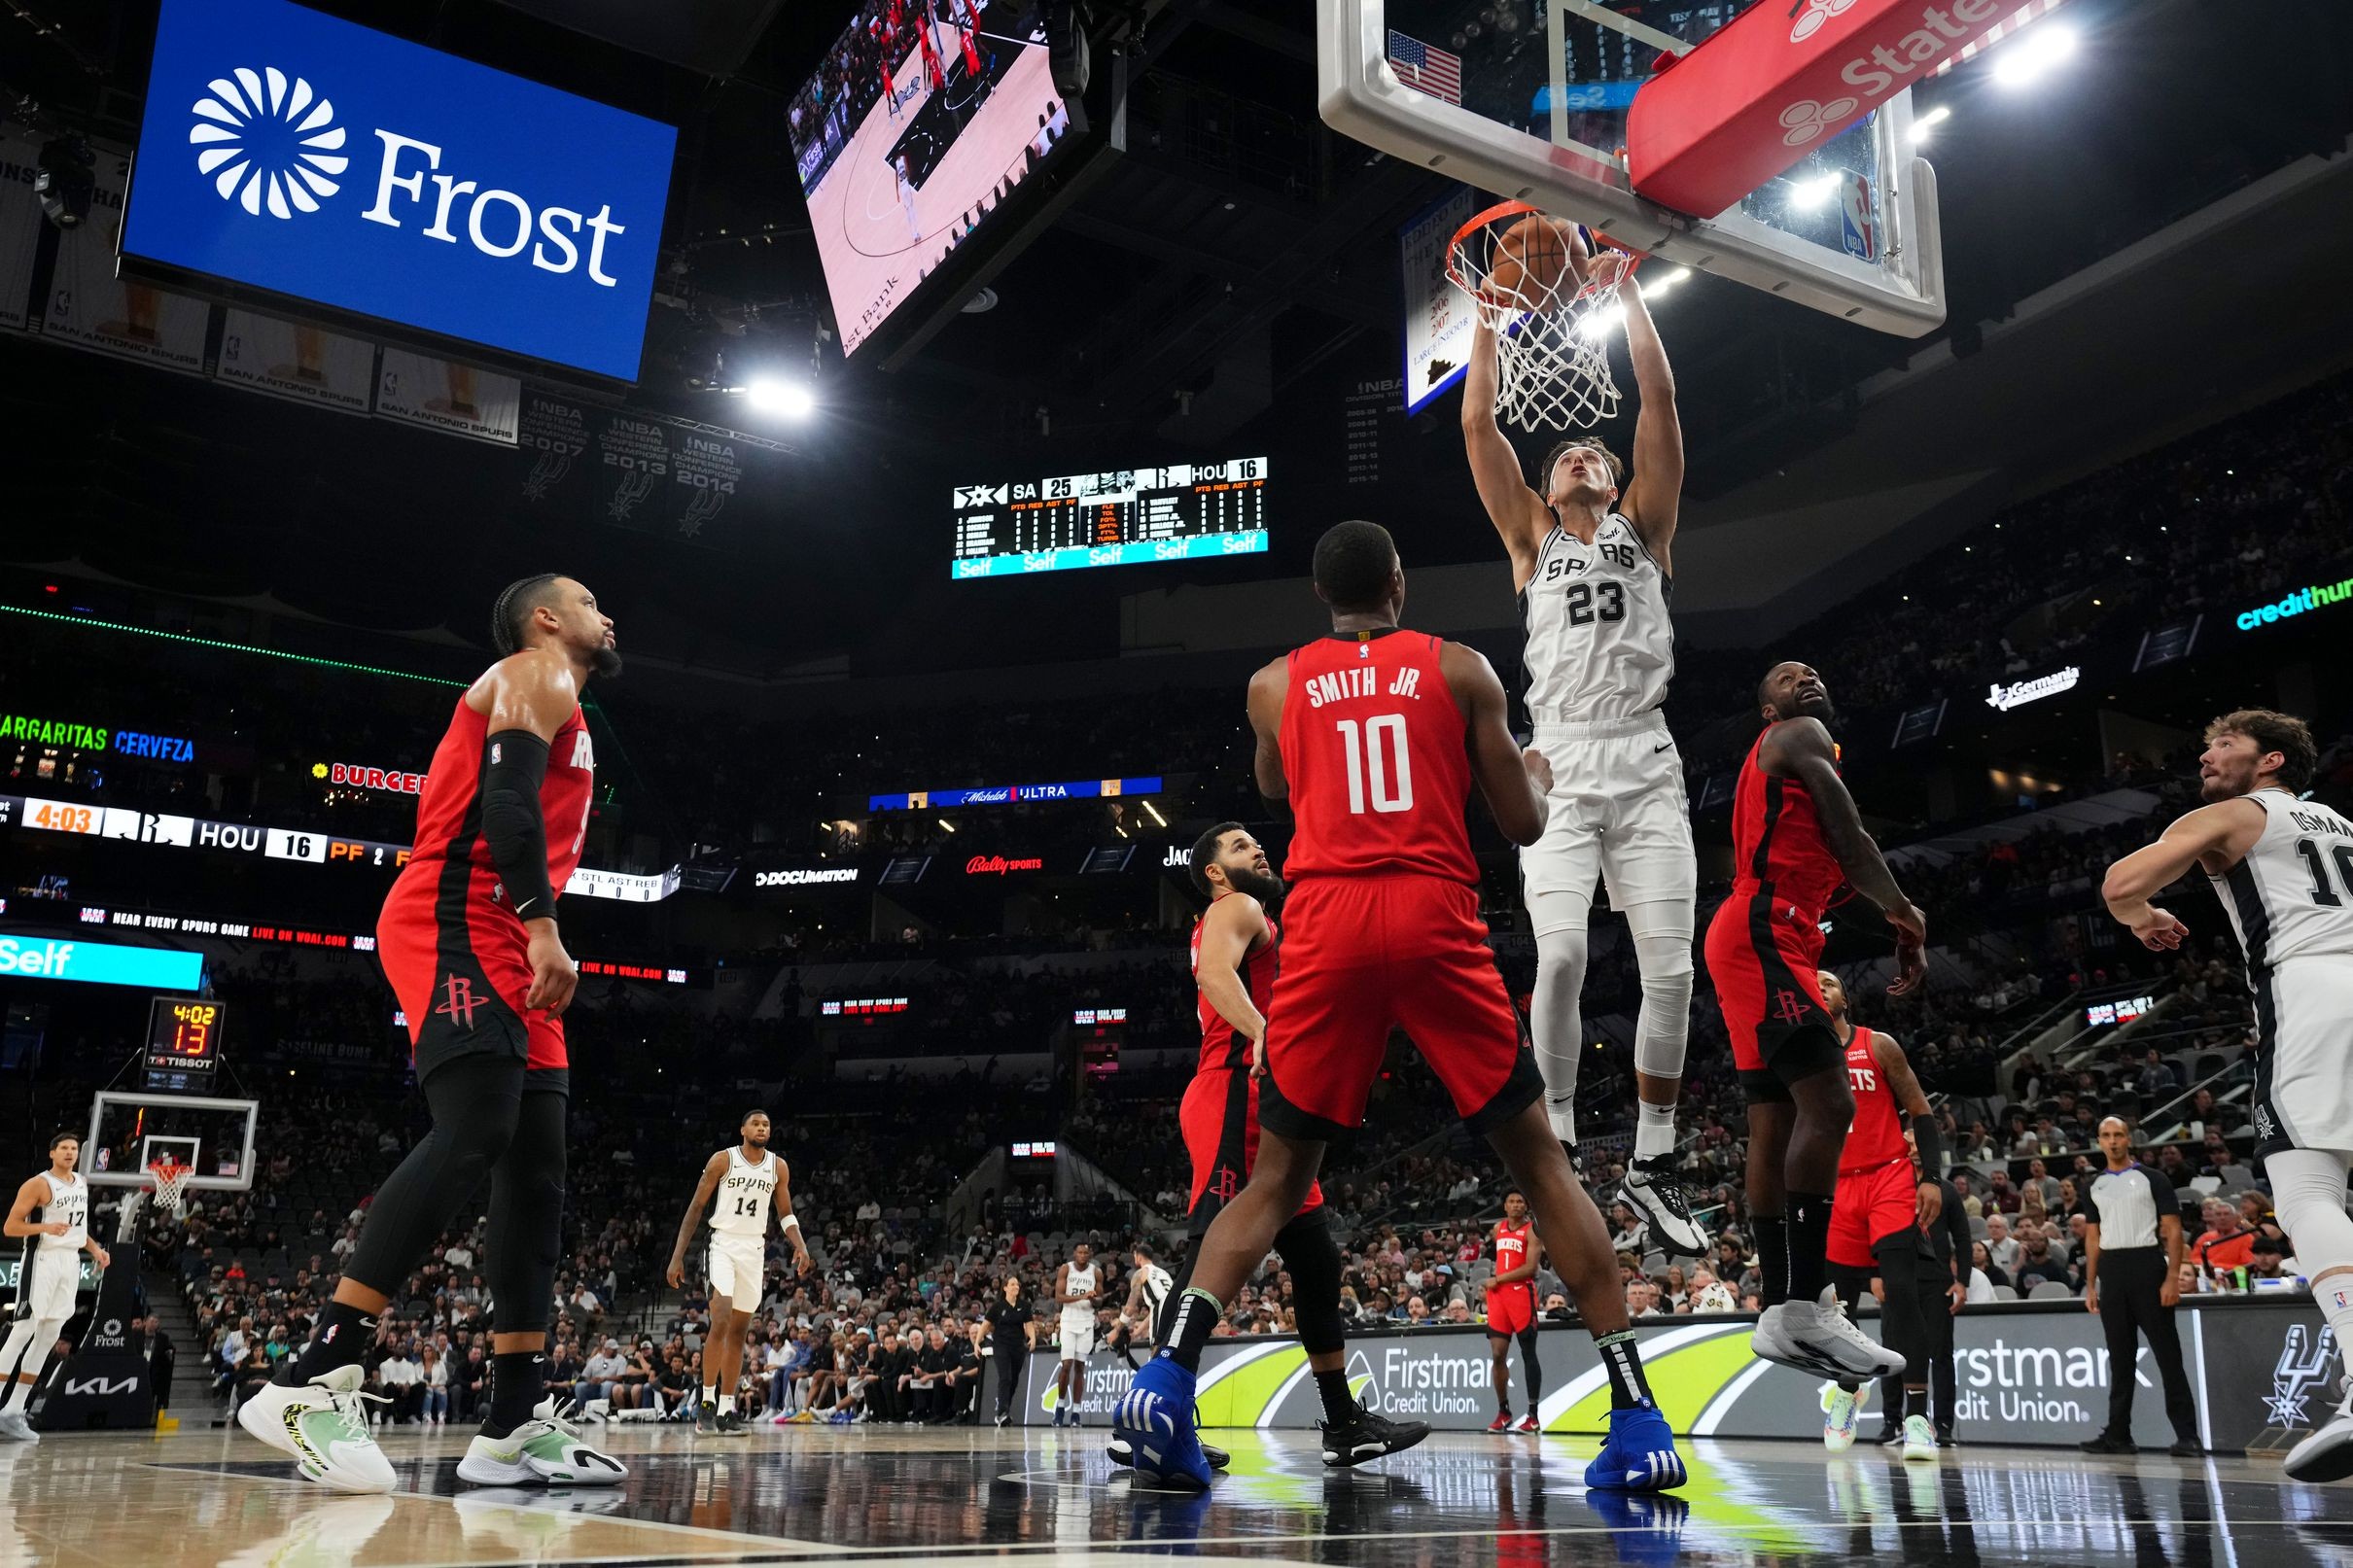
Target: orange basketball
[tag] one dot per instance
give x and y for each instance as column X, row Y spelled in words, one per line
column 1532, row 257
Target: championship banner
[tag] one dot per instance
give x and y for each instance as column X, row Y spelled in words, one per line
column 19, row 223
column 456, row 399
column 296, row 361
column 2258, row 1368
column 91, row 308
column 668, row 477
column 1438, row 316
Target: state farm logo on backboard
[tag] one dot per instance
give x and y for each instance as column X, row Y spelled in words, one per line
column 1817, row 11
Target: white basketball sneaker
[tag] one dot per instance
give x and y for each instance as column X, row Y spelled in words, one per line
column 1656, row 1192
column 324, row 1425
column 545, row 1450
column 2327, row 1453
column 15, row 1428
column 1842, row 1411
column 1817, row 1336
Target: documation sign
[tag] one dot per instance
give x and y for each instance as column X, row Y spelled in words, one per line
column 294, row 152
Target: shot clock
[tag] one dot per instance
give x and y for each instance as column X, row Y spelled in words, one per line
column 184, row 1043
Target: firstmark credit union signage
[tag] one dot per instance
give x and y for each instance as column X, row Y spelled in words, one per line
column 292, row 151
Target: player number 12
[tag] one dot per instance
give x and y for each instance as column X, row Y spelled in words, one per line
column 1379, row 752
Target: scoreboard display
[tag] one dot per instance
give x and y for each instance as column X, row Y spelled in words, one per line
column 1183, row 512
column 183, row 1043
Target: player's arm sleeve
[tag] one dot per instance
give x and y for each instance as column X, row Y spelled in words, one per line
column 514, row 766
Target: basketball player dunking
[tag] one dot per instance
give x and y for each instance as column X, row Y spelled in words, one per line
column 1235, row 947
column 1796, row 838
column 747, row 1182
column 51, row 1215
column 1876, row 1216
column 467, row 939
column 1372, row 737
column 2283, row 868
column 1511, row 1314
column 1594, row 569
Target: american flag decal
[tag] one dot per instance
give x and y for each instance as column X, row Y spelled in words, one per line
column 1424, row 68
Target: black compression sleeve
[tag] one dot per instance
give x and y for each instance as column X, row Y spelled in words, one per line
column 1931, row 1141
column 514, row 765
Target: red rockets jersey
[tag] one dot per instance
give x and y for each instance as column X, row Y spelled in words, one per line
column 1221, row 1046
column 1373, row 751
column 1876, row 1137
column 1511, row 1251
column 450, row 809
column 1776, row 840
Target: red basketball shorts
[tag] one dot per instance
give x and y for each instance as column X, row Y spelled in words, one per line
column 1870, row 1205
column 460, row 965
column 1219, row 1118
column 1511, row 1310
column 1362, row 955
column 1763, row 955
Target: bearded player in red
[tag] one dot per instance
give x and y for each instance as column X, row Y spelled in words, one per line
column 467, row 939
column 1511, row 1314
column 1234, row 959
column 1373, row 737
column 1796, row 838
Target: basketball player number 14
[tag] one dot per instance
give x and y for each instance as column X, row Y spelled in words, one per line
column 1378, row 750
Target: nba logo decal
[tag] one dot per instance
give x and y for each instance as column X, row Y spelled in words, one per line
column 1858, row 223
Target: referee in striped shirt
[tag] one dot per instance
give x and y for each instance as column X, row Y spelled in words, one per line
column 2132, row 1278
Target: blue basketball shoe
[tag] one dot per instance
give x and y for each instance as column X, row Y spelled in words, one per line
column 1154, row 1418
column 1639, row 1454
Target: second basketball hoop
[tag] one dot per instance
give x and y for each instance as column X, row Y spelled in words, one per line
column 1551, row 299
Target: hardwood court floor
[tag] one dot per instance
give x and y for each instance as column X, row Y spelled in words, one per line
column 815, row 1494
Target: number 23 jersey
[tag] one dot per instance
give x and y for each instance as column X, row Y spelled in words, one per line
column 1600, row 643
column 1373, row 751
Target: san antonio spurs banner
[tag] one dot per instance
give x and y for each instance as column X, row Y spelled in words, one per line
column 297, row 360
column 686, row 483
column 444, row 395
column 91, row 308
column 20, row 222
column 2260, row 1368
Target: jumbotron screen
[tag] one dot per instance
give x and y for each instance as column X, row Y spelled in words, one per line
column 1185, row 511
column 922, row 119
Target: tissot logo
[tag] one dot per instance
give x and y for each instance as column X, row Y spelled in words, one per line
column 268, row 145
column 297, row 154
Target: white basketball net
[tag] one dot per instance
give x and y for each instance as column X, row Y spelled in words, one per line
column 171, row 1185
column 1552, row 340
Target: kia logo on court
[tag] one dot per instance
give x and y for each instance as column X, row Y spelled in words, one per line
column 268, row 144
column 1805, row 120
column 1817, row 11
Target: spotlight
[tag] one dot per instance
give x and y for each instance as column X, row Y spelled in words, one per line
column 1657, row 288
column 65, row 182
column 2029, row 57
column 793, row 400
column 1815, row 191
column 1928, row 120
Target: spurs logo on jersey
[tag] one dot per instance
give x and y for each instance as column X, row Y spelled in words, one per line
column 69, row 1201
column 1078, row 1283
column 1599, row 643
column 741, row 1207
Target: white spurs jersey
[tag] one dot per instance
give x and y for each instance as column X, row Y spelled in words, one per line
column 67, row 1200
column 2292, row 897
column 1599, row 644
column 745, row 1194
column 1079, row 1282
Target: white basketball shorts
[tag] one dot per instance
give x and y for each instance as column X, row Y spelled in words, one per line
column 50, row 1294
column 737, row 1266
column 2303, row 1095
column 1077, row 1336
column 1617, row 813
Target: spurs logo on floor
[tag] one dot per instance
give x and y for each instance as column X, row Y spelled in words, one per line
column 2303, row 1365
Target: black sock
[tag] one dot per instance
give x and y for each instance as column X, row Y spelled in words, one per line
column 1628, row 1388
column 1197, row 1315
column 1773, row 1258
column 1809, row 1245
column 344, row 1335
column 518, row 1383
column 1339, row 1404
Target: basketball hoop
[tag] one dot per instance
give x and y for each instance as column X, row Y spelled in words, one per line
column 1552, row 328
column 170, row 1179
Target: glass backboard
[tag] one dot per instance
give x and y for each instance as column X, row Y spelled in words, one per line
column 1528, row 99
column 129, row 1132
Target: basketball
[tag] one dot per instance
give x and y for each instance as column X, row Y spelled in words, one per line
column 1531, row 257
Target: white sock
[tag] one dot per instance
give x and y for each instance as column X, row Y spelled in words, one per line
column 726, row 1404
column 710, row 1393
column 19, row 1390
column 1655, row 1131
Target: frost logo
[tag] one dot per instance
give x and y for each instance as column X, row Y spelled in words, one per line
column 268, row 144
column 1804, row 120
column 1817, row 11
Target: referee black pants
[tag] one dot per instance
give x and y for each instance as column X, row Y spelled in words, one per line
column 1935, row 1349
column 2129, row 1280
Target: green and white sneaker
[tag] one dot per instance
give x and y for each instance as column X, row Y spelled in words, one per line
column 1842, row 1408
column 545, row 1450
column 1919, row 1443
column 324, row 1425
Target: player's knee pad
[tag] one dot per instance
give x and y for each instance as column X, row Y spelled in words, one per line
column 1313, row 1257
column 2308, row 1194
column 1559, row 911
column 1662, row 954
column 1553, row 1009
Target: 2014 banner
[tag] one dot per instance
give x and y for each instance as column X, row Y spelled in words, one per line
column 676, row 479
